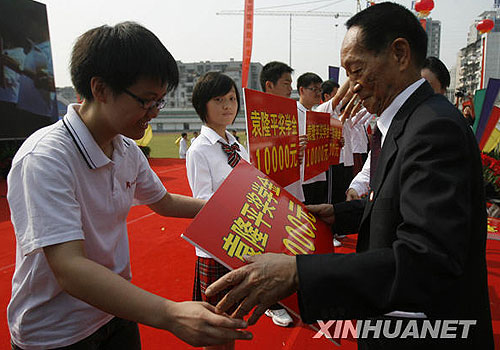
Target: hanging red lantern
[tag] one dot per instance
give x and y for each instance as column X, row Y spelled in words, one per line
column 485, row 26
column 424, row 7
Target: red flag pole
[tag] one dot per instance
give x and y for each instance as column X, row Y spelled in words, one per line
column 247, row 42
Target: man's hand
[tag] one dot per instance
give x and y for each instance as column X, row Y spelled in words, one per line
column 350, row 103
column 267, row 279
column 351, row 109
column 323, row 211
column 342, row 96
column 352, row 194
column 197, row 324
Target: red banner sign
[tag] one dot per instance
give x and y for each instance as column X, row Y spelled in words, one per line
column 250, row 214
column 319, row 144
column 247, row 42
column 272, row 131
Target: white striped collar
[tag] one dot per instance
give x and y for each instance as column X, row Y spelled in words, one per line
column 84, row 141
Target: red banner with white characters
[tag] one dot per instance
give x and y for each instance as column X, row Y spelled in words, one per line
column 319, row 138
column 273, row 135
column 247, row 42
column 250, row 214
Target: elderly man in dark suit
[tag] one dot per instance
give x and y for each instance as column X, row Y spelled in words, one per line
column 422, row 230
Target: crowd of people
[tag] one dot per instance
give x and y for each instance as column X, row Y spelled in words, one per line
column 409, row 182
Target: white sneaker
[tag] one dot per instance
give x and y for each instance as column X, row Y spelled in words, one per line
column 336, row 243
column 280, row 317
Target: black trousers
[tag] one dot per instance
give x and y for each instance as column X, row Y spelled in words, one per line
column 117, row 334
column 316, row 192
column 339, row 179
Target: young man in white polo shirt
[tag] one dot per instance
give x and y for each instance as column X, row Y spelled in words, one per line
column 276, row 79
column 70, row 189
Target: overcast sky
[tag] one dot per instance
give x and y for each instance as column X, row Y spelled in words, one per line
column 192, row 31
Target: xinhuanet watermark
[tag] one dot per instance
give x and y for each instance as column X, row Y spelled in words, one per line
column 411, row 329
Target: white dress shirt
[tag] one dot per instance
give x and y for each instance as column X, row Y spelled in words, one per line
column 361, row 181
column 359, row 140
column 295, row 188
column 207, row 166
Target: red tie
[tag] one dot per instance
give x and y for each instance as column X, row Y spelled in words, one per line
column 233, row 156
column 375, row 153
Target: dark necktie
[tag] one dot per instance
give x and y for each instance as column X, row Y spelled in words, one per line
column 233, row 156
column 375, row 148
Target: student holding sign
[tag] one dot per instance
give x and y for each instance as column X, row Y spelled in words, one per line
column 276, row 79
column 309, row 87
column 209, row 160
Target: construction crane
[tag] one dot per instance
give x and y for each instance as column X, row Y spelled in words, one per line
column 290, row 14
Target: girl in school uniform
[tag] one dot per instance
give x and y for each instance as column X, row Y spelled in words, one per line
column 209, row 160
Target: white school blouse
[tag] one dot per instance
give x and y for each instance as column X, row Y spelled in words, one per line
column 207, row 167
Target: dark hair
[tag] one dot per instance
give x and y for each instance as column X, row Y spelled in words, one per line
column 327, row 87
column 272, row 72
column 382, row 23
column 120, row 55
column 184, row 134
column 307, row 79
column 208, row 86
column 436, row 66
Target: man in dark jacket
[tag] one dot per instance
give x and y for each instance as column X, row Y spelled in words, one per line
column 422, row 231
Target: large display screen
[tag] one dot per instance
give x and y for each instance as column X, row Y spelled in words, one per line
column 27, row 89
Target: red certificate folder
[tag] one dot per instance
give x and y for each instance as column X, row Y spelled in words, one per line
column 250, row 214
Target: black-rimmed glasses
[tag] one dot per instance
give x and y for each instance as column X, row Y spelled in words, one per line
column 315, row 90
column 147, row 104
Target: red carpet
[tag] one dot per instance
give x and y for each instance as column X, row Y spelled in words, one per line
column 163, row 263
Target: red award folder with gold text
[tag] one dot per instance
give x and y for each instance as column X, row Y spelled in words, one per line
column 250, row 214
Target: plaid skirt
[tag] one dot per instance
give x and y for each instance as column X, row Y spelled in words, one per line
column 207, row 271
